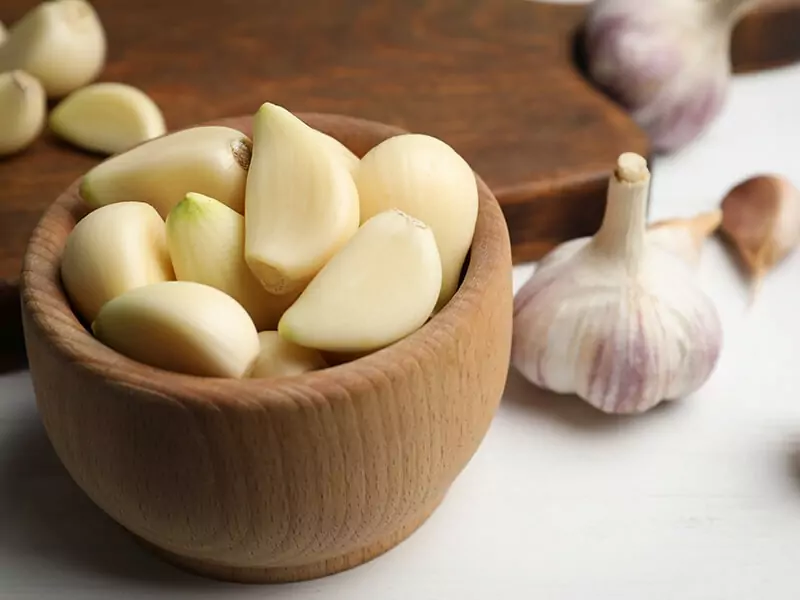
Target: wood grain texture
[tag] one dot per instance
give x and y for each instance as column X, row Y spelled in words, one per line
column 273, row 480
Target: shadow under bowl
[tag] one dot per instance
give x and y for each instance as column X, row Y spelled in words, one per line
column 273, row 480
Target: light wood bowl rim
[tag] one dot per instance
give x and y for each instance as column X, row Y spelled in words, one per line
column 38, row 287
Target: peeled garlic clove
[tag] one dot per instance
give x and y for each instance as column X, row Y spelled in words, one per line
column 181, row 326
column 3, row 33
column 114, row 249
column 426, row 178
column 666, row 61
column 379, row 288
column 616, row 319
column 281, row 358
column 685, row 237
column 62, row 43
column 301, row 202
column 761, row 219
column 23, row 107
column 206, row 244
column 107, row 118
column 207, row 160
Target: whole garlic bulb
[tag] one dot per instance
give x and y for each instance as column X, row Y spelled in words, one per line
column 615, row 318
column 666, row 61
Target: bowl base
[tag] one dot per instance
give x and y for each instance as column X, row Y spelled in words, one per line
column 293, row 573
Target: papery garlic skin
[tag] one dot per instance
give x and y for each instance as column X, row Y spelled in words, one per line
column 281, row 358
column 181, row 326
column 666, row 61
column 301, row 204
column 614, row 319
column 111, row 250
column 209, row 160
column 108, row 118
column 206, row 245
column 23, row 107
column 62, row 43
column 426, row 178
column 685, row 237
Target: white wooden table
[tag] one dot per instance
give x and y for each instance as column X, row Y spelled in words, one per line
column 698, row 501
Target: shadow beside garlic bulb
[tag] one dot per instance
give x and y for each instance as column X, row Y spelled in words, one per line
column 665, row 61
column 525, row 399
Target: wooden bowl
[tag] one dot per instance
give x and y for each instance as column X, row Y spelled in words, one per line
column 273, row 480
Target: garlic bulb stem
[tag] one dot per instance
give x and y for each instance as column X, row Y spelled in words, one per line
column 621, row 235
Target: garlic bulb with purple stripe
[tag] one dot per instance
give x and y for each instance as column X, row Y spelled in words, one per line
column 616, row 318
column 666, row 61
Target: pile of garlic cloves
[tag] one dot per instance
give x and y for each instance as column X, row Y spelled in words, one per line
column 618, row 318
column 209, row 253
column 56, row 51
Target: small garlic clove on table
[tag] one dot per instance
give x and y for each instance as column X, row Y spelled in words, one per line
column 61, row 42
column 281, row 358
column 111, row 250
column 761, row 219
column 301, row 204
column 108, row 118
column 181, row 326
column 426, row 178
column 382, row 286
column 206, row 244
column 23, row 107
column 3, row 33
column 209, row 160
column 614, row 318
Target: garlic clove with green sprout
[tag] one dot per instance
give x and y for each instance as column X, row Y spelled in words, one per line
column 685, row 237
column 666, row 61
column 615, row 318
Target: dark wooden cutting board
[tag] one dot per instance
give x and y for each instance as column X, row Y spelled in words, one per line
column 494, row 78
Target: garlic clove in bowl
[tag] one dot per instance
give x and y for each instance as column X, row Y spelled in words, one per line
column 615, row 318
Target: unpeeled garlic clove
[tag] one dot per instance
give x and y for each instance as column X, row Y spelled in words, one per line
column 761, row 219
column 107, row 118
column 424, row 177
column 112, row 250
column 206, row 244
column 61, row 42
column 685, row 237
column 23, row 107
column 614, row 318
column 665, row 61
column 210, row 160
column 379, row 288
column 281, row 358
column 301, row 202
column 180, row 326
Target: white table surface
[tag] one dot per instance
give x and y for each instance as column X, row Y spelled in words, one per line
column 697, row 501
